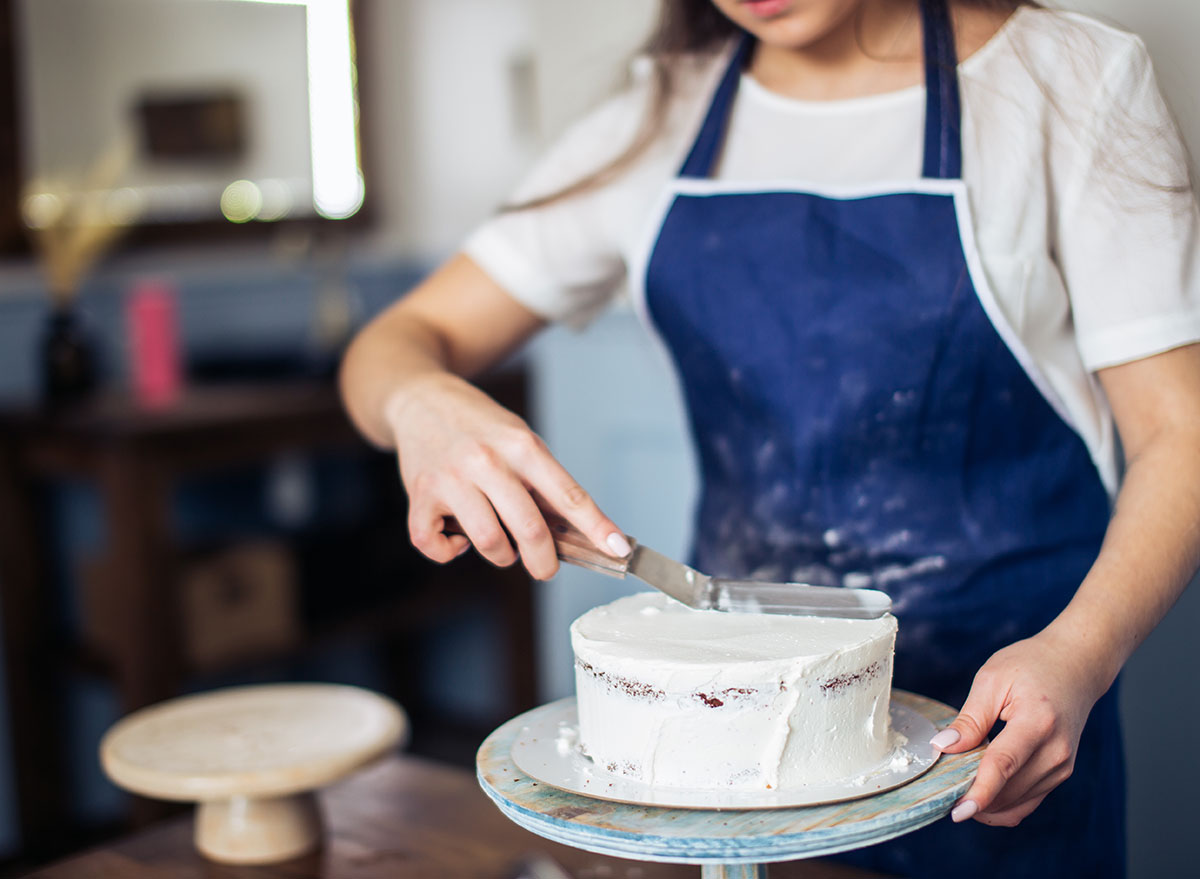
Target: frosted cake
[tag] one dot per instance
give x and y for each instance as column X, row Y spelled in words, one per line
column 675, row 697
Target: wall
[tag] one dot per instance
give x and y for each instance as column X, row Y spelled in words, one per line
column 446, row 136
column 581, row 49
column 464, row 95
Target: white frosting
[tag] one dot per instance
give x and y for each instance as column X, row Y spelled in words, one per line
column 677, row 697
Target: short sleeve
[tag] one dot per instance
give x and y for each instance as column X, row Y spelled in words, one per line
column 563, row 260
column 1127, row 235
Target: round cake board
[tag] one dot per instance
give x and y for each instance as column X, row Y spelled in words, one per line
column 546, row 749
column 723, row 836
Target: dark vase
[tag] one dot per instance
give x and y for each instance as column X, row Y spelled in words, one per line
column 68, row 358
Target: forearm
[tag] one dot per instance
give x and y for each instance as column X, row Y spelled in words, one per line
column 384, row 359
column 458, row 322
column 1149, row 554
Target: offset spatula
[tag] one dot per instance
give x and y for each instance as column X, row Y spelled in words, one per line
column 703, row 592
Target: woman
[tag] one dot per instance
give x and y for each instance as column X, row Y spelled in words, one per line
column 907, row 298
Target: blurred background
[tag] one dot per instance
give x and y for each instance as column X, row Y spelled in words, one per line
column 200, row 200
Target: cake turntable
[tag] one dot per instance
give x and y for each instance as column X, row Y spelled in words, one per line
column 726, row 840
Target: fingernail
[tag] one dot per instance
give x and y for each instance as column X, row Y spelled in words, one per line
column 963, row 811
column 463, row 551
column 618, row 544
column 945, row 739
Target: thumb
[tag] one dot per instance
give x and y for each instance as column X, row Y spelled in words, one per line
column 977, row 716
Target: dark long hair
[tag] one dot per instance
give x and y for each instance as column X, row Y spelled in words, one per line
column 684, row 28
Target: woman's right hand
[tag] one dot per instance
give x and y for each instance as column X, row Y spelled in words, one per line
column 461, row 454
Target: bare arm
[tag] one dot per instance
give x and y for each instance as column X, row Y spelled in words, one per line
column 458, row 320
column 460, row 453
column 1045, row 687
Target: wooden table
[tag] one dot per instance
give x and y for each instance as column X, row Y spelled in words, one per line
column 404, row 817
column 135, row 456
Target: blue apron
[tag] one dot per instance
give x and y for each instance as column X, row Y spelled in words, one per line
column 864, row 416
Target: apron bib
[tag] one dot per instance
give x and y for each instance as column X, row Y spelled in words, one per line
column 864, row 416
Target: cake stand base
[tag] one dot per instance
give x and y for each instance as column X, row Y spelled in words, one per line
column 727, row 843
column 258, row 830
column 733, row 871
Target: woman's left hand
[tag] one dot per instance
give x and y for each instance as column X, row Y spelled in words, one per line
column 1043, row 689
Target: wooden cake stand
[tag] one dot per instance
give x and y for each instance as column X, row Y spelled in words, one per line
column 251, row 757
column 726, row 843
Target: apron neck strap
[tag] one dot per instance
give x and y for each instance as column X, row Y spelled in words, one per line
column 943, row 134
column 703, row 156
column 943, row 112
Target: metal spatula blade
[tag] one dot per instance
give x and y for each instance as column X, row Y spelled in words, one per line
column 703, row 592
column 802, row 599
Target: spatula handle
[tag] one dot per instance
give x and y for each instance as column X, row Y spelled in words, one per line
column 570, row 545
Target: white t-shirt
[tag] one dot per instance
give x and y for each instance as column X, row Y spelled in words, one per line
column 1066, row 142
